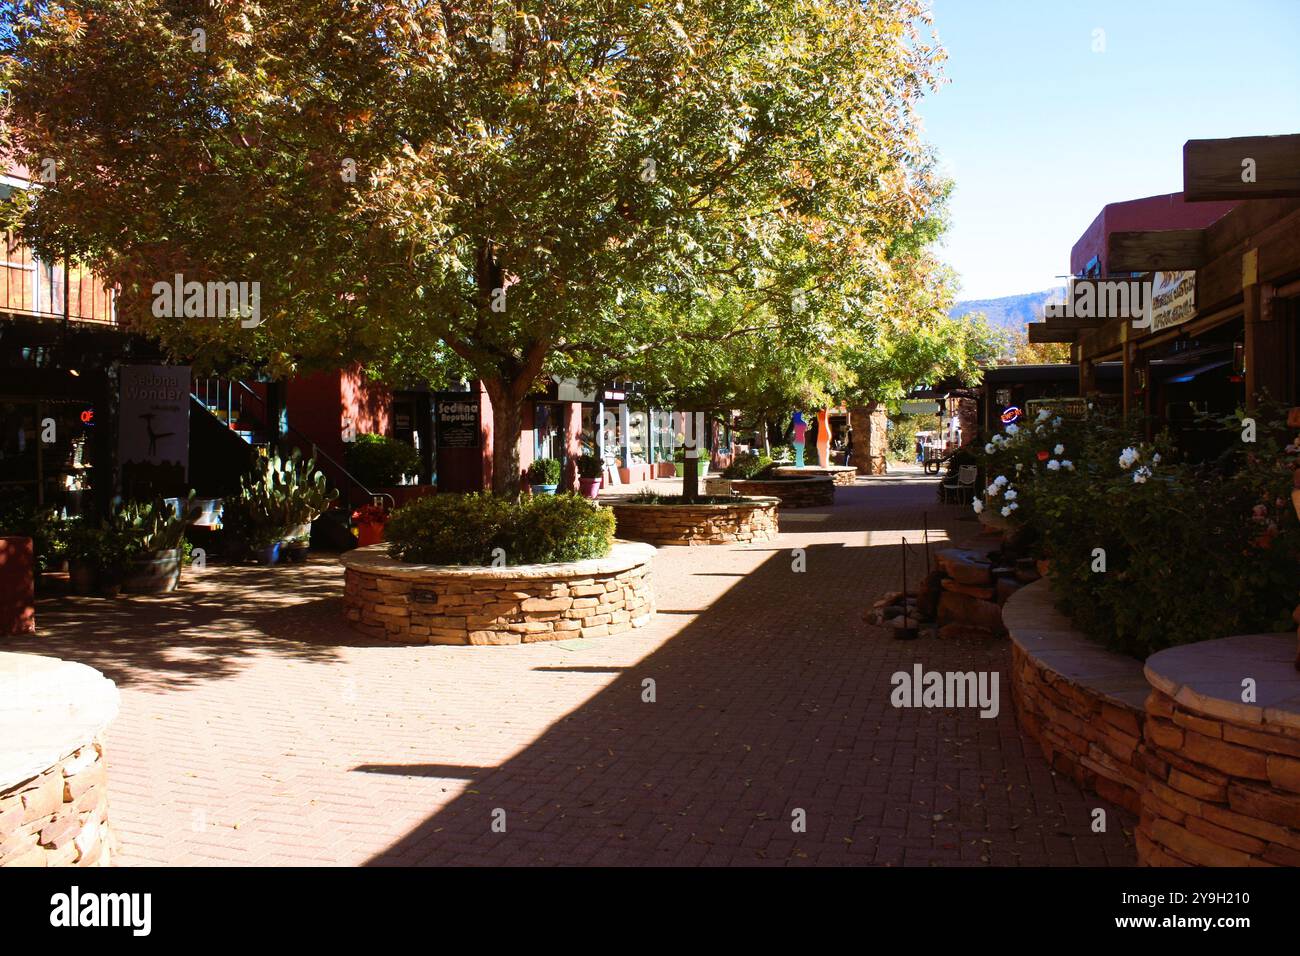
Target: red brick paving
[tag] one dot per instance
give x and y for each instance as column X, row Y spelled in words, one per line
column 257, row 729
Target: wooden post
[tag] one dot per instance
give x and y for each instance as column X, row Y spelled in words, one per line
column 1087, row 373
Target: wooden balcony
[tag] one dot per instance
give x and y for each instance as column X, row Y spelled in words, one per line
column 30, row 288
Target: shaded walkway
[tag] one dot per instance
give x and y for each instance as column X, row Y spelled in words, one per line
column 775, row 698
column 257, row 729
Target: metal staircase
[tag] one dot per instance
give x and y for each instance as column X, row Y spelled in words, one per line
column 243, row 411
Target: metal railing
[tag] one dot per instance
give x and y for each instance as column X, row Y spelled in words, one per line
column 210, row 397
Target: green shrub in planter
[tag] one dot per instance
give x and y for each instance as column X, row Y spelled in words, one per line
column 544, row 471
column 589, row 467
column 467, row 529
column 378, row 461
column 746, row 465
column 559, row 528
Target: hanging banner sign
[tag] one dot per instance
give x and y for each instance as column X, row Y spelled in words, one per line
column 153, row 434
column 1173, row 299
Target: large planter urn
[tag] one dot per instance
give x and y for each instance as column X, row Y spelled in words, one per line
column 589, row 487
column 155, row 573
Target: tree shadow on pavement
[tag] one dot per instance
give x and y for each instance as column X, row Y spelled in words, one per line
column 774, row 700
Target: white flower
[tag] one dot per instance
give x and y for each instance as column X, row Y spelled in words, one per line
column 1014, row 505
column 1155, row 459
column 1012, row 428
column 989, row 449
column 1044, row 415
column 1000, row 480
column 977, row 505
column 1011, row 494
column 1059, row 450
column 1019, row 466
column 1006, row 512
column 1053, row 465
column 1127, row 457
column 1056, row 422
column 992, row 490
column 1141, row 475
column 1066, row 463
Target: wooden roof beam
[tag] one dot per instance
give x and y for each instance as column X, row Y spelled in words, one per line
column 1242, row 167
column 1162, row 250
column 1042, row 332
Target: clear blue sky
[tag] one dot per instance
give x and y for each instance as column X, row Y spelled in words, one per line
column 1039, row 132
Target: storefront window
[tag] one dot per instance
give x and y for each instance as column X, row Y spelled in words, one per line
column 548, row 429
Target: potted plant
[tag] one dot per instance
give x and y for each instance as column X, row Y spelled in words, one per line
column 368, row 524
column 544, row 476
column 299, row 491
column 153, row 531
column 590, row 469
column 265, row 544
column 275, row 499
column 86, row 546
column 679, row 462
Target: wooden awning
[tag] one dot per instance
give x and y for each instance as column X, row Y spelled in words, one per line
column 1242, row 167
column 1165, row 250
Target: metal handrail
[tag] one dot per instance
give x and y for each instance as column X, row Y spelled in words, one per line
column 316, row 452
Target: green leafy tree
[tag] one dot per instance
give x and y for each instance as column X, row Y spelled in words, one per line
column 410, row 182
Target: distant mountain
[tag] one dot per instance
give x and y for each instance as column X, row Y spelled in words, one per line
column 1009, row 311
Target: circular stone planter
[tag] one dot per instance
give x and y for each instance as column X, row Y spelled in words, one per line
column 742, row 519
column 53, row 783
column 792, row 492
column 433, row 604
column 840, row 474
column 1081, row 703
column 1216, row 779
column 1222, row 774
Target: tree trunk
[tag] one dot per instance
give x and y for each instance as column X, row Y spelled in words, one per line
column 507, row 418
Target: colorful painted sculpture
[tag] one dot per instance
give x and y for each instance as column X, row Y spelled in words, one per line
column 824, row 437
column 800, row 432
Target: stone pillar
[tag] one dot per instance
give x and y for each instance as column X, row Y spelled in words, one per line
column 968, row 416
column 870, row 441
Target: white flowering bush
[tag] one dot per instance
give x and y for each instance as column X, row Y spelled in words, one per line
column 1193, row 551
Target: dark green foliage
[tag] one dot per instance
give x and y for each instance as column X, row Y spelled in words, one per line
column 1193, row 551
column 378, row 461
column 746, row 465
column 544, row 471
column 467, row 529
column 654, row 498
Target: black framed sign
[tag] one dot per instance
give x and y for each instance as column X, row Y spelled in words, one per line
column 458, row 420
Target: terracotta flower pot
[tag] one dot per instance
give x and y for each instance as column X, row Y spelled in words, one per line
column 369, row 532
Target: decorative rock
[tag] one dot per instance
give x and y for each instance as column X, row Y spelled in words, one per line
column 957, row 608
column 983, row 593
column 965, row 567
